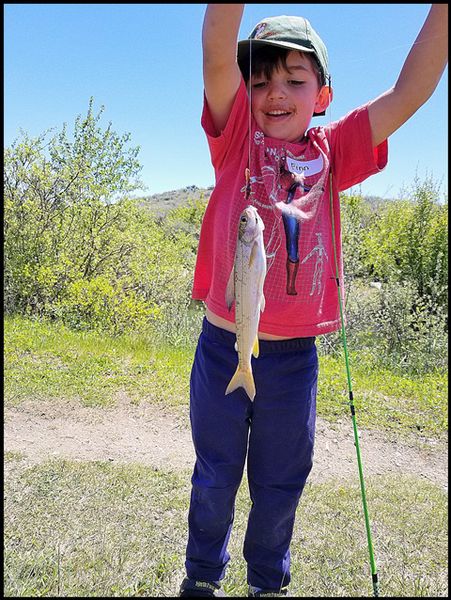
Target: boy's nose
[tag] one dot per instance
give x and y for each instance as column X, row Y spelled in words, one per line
column 276, row 91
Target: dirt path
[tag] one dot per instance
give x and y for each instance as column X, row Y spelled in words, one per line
column 151, row 435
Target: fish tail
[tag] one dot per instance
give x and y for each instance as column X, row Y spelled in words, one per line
column 242, row 379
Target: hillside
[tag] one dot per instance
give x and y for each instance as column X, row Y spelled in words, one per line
column 165, row 201
column 162, row 203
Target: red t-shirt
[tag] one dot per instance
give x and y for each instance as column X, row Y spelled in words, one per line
column 300, row 286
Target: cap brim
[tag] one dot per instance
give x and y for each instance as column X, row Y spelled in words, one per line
column 245, row 45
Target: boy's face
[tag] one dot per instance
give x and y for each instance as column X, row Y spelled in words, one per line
column 284, row 104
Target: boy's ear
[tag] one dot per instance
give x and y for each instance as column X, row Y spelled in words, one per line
column 324, row 98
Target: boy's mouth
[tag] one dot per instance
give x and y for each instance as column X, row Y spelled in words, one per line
column 277, row 113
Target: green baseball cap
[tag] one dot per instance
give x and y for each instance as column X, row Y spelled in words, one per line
column 294, row 33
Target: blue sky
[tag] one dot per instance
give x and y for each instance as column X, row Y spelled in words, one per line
column 143, row 63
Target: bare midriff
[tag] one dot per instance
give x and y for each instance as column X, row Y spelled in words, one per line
column 229, row 326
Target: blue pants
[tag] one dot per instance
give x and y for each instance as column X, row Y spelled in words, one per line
column 275, row 433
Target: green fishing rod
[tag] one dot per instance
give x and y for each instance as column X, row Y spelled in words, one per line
column 351, row 402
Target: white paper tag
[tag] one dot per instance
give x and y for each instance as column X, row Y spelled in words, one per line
column 305, row 167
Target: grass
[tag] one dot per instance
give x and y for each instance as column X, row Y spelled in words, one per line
column 98, row 529
column 384, row 400
column 48, row 360
column 102, row 530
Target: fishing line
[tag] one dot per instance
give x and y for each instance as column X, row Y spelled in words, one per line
column 249, row 134
column 273, row 243
column 374, row 574
column 247, row 172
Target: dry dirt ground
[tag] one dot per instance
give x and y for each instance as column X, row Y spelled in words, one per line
column 151, row 435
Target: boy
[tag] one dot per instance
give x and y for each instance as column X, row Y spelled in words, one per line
column 256, row 116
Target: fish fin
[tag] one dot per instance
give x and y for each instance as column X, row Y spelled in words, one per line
column 262, row 303
column 255, row 348
column 242, row 379
column 253, row 254
column 230, row 290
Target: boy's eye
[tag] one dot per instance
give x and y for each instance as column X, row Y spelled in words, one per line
column 295, row 82
column 259, row 84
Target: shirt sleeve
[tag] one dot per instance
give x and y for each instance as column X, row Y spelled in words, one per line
column 235, row 133
column 354, row 158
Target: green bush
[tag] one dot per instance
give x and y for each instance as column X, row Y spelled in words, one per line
column 408, row 242
column 65, row 210
column 396, row 280
column 98, row 305
column 76, row 246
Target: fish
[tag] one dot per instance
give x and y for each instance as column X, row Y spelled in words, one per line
column 245, row 289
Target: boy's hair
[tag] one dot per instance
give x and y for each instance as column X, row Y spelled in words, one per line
column 266, row 59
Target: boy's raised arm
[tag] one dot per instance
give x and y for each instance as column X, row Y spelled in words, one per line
column 418, row 79
column 221, row 72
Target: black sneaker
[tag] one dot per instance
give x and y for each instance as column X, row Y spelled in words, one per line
column 191, row 588
column 267, row 593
